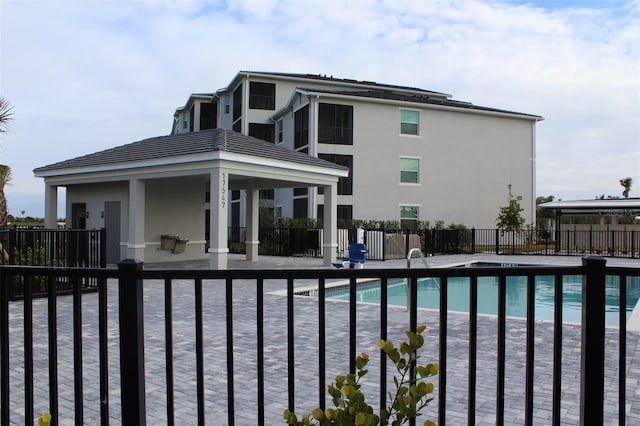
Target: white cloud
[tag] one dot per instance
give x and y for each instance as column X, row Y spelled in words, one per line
column 85, row 76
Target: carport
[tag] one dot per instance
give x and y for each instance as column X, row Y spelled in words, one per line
column 224, row 159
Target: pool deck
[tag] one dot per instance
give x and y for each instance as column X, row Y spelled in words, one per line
column 275, row 347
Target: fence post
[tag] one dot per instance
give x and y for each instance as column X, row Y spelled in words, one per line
column 473, row 240
column 103, row 248
column 132, row 386
column 12, row 246
column 592, row 359
column 497, row 241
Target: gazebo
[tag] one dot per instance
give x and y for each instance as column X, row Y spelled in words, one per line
column 142, row 190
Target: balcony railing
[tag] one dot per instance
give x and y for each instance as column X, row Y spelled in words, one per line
column 335, row 135
column 240, row 346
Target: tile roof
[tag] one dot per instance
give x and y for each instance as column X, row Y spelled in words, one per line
column 348, row 81
column 418, row 98
column 188, row 144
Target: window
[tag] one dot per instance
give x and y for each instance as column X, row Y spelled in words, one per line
column 208, row 115
column 301, row 127
column 300, row 208
column 266, row 194
column 192, row 117
column 344, row 212
column 237, row 103
column 279, row 132
column 409, row 216
column 227, row 104
column 300, row 191
column 335, row 124
column 262, row 131
column 237, row 126
column 345, row 185
column 262, row 95
column 409, row 170
column 409, row 121
column 277, row 212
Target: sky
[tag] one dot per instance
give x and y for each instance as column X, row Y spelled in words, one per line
column 84, row 76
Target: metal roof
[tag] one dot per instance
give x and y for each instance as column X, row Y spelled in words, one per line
column 189, row 144
column 609, row 206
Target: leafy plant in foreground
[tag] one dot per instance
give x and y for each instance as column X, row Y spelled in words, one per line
column 409, row 397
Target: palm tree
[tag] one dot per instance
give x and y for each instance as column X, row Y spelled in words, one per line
column 5, row 171
column 5, row 114
column 5, row 178
column 626, row 184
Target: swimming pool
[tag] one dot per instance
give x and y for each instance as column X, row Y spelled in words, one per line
column 516, row 300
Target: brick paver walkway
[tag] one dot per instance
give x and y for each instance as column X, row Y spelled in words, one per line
column 306, row 392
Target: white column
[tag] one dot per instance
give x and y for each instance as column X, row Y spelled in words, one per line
column 330, row 239
column 253, row 202
column 220, row 198
column 50, row 206
column 136, row 238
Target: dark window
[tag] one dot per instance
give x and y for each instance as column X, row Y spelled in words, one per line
column 344, row 212
column 235, row 215
column 237, row 126
column 237, row 103
column 262, row 95
column 300, row 191
column 267, row 194
column 266, row 132
column 335, row 124
column 301, row 129
column 345, row 185
column 300, row 208
column 235, row 194
column 191, row 119
column 208, row 115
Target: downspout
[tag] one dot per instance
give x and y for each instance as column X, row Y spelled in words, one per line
column 533, row 173
column 313, row 151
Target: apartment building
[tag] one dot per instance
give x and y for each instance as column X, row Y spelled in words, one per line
column 413, row 154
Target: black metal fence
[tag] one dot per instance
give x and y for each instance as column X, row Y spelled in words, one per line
column 237, row 316
column 52, row 247
column 385, row 244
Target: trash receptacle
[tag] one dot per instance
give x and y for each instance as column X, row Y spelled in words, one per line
column 168, row 241
column 180, row 245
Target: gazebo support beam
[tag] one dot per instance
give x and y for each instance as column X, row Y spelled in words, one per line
column 253, row 223
column 330, row 245
column 220, row 197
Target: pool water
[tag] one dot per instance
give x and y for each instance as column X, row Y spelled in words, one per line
column 516, row 301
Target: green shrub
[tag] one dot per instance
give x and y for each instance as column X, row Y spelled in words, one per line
column 409, row 397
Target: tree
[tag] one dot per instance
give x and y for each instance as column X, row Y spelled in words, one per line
column 5, row 171
column 544, row 214
column 626, row 184
column 510, row 216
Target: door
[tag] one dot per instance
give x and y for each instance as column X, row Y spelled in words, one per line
column 112, row 230
column 79, row 216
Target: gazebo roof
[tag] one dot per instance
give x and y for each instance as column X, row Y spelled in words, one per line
column 188, row 144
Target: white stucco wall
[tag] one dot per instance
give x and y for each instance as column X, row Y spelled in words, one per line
column 175, row 206
column 94, row 196
column 467, row 161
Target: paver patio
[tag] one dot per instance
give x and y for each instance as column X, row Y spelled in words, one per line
column 306, row 391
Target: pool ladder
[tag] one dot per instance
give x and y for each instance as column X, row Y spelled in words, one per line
column 426, row 265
